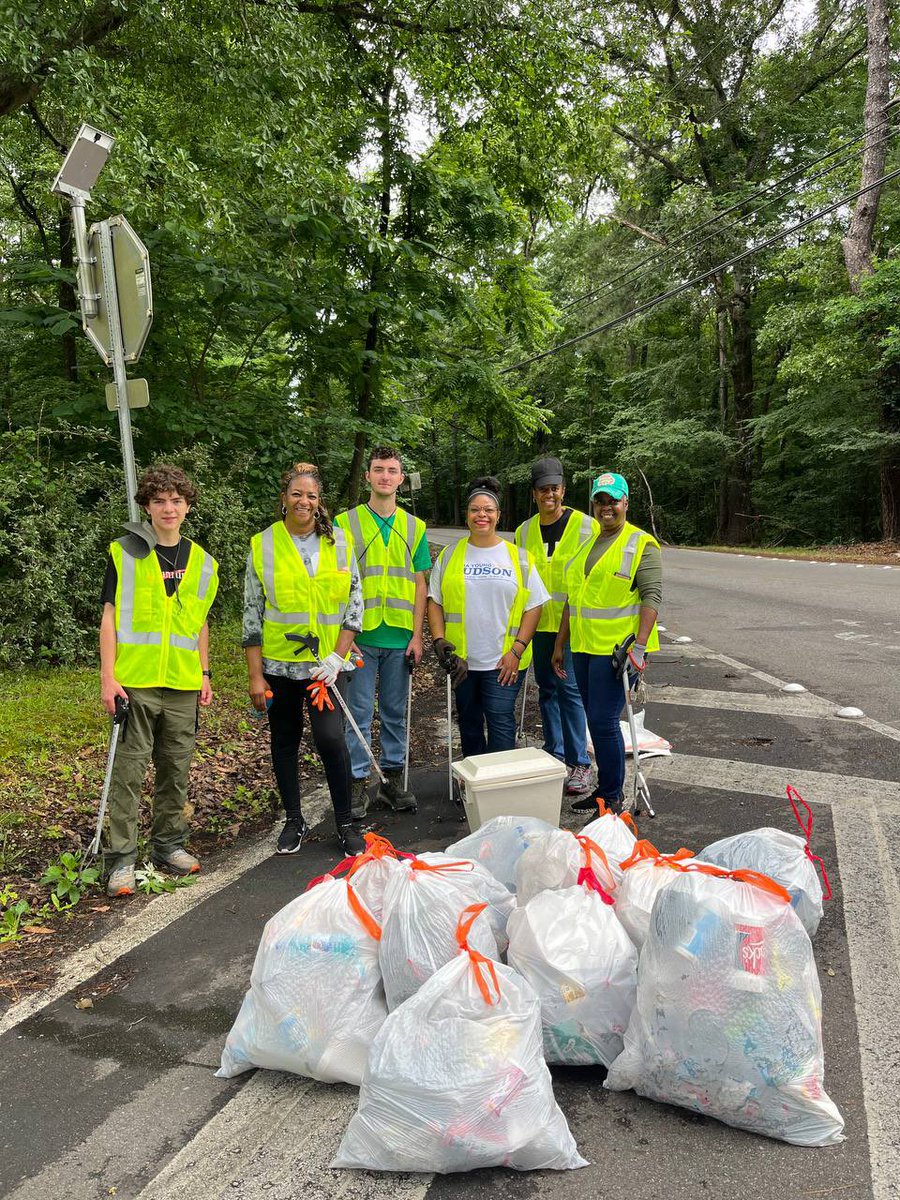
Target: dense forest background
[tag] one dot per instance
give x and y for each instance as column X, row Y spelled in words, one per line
column 364, row 217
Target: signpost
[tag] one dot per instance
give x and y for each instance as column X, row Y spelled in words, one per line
column 114, row 289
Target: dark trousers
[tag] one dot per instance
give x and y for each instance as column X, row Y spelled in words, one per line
column 482, row 700
column 603, row 699
column 290, row 702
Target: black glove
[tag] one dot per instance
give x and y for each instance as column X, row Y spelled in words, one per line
column 457, row 668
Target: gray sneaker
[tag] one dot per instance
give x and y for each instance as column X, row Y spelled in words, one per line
column 121, row 881
column 359, row 798
column 176, row 862
column 393, row 795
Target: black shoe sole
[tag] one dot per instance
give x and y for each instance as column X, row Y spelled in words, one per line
column 293, row 849
column 587, row 805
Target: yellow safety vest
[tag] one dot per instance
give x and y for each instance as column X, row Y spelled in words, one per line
column 386, row 571
column 297, row 602
column 604, row 607
column 552, row 570
column 453, row 591
column 157, row 636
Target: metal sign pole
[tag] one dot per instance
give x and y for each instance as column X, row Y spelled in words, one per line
column 117, row 361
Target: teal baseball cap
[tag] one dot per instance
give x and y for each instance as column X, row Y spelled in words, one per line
column 613, row 484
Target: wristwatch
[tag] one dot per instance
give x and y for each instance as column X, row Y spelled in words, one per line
column 208, row 674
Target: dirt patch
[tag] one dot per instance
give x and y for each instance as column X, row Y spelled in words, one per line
column 876, row 553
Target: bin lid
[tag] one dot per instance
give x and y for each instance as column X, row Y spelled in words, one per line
column 509, row 766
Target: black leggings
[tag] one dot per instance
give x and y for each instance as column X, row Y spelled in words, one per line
column 289, row 700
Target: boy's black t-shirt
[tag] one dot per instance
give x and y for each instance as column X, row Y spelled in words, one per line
column 550, row 534
column 173, row 562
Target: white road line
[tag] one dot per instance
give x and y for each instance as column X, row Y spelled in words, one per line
column 153, row 917
column 777, row 704
column 732, row 775
column 276, row 1137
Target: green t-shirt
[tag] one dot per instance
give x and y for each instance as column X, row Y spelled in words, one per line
column 391, row 637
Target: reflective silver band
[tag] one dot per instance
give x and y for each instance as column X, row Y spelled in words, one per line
column 285, row 618
column 206, row 574
column 183, row 643
column 624, row 571
column 451, row 616
column 559, row 597
column 585, row 531
column 267, row 540
column 328, row 619
column 609, row 614
column 341, row 549
column 372, row 602
column 396, row 602
column 356, row 531
column 126, row 633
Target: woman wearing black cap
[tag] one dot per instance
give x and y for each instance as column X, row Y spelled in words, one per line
column 484, row 604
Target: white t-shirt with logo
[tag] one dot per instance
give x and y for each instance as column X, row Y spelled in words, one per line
column 491, row 586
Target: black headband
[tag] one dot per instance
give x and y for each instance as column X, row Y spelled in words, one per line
column 483, row 491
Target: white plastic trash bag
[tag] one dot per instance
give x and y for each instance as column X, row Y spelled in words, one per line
column 728, row 1014
column 644, row 875
column 499, row 844
column 316, row 1000
column 650, row 745
column 456, row 1080
column 369, row 871
column 554, row 860
column 616, row 837
column 572, row 949
column 422, row 904
column 499, row 899
column 783, row 856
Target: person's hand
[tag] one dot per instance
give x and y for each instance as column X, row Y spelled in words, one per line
column 459, row 671
column 443, row 651
column 257, row 690
column 109, row 689
column 415, row 649
column 508, row 666
column 206, row 692
column 636, row 655
column 328, row 670
column 557, row 659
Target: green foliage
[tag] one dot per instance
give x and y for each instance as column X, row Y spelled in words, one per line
column 70, row 878
column 152, row 882
column 13, row 912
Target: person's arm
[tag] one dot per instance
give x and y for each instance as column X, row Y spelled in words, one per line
column 562, row 640
column 109, row 685
column 203, row 647
column 509, row 663
column 251, row 635
column 436, row 620
column 414, row 649
column 648, row 584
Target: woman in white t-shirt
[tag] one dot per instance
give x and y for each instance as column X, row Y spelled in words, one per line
column 484, row 604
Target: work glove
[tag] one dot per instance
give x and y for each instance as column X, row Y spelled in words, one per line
column 318, row 695
column 457, row 668
column 636, row 656
column 328, row 670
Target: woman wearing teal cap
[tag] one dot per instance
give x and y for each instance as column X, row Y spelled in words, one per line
column 614, row 588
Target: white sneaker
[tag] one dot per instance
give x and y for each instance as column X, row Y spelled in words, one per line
column 581, row 780
column 177, row 862
column 121, row 881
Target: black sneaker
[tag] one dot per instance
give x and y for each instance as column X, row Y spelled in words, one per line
column 291, row 837
column 352, row 843
column 587, row 804
column 391, row 793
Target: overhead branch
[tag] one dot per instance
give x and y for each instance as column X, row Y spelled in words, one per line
column 651, row 237
column 634, row 139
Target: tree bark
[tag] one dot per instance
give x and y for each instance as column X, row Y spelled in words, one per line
column 735, row 510
column 859, row 243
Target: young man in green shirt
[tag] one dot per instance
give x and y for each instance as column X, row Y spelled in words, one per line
column 393, row 556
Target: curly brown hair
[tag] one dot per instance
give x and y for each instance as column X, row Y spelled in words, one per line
column 323, row 525
column 164, row 478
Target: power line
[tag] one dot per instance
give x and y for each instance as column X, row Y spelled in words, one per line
column 798, row 171
column 683, row 287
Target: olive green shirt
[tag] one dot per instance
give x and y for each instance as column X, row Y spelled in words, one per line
column 647, row 577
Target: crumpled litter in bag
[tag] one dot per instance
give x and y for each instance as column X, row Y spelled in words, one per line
column 785, row 857
column 315, row 1001
column 650, row 745
column 553, row 861
column 499, row 844
column 422, row 904
column 644, row 875
column 728, row 1015
column 573, row 950
column 616, row 835
column 499, row 899
column 370, row 871
column 456, row 1079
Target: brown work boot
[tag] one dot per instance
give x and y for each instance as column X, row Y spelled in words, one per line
column 359, row 797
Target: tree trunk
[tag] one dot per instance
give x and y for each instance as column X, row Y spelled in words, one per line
column 738, row 524
column 859, row 242
column 722, row 346
column 66, row 298
column 889, row 385
column 457, row 486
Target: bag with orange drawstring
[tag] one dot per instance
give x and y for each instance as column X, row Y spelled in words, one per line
column 572, row 949
column 456, row 1078
column 786, row 857
column 422, row 904
column 370, row 871
column 728, row 1014
column 316, row 999
column 615, row 834
column 554, row 860
column 499, row 899
column 644, row 875
column 498, row 844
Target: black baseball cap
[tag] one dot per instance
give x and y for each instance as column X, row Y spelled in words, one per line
column 546, row 471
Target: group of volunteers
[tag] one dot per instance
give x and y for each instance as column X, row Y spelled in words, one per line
column 335, row 610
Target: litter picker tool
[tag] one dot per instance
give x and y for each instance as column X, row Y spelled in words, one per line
column 440, row 815
column 117, row 722
column 520, row 732
column 410, row 664
column 641, row 794
column 309, row 641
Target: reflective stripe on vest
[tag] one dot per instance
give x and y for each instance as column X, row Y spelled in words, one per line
column 297, row 602
column 604, row 607
column 453, row 590
column 386, row 571
column 579, row 528
column 158, row 636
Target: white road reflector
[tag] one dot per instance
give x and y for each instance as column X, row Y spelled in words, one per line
column 683, row 640
column 851, row 713
column 662, row 629
column 793, row 687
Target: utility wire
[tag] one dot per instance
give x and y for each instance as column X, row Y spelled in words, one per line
column 798, row 171
column 683, row 287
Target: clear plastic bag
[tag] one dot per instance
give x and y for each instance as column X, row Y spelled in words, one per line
column 457, row 1081
column 554, row 860
column 499, row 844
column 572, row 949
column 369, row 871
column 616, row 836
column 728, row 1014
column 499, row 899
column 316, row 999
column 422, row 904
column 644, row 875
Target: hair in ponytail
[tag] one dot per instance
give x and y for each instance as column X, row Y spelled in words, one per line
column 323, row 525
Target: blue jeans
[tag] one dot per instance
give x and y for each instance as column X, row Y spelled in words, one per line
column 562, row 714
column 481, row 699
column 388, row 669
column 603, row 698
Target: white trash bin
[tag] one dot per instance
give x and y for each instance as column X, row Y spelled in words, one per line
column 527, row 782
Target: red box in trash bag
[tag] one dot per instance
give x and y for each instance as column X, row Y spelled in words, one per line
column 752, row 948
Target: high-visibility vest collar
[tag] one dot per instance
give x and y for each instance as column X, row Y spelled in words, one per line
column 387, row 573
column 453, row 592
